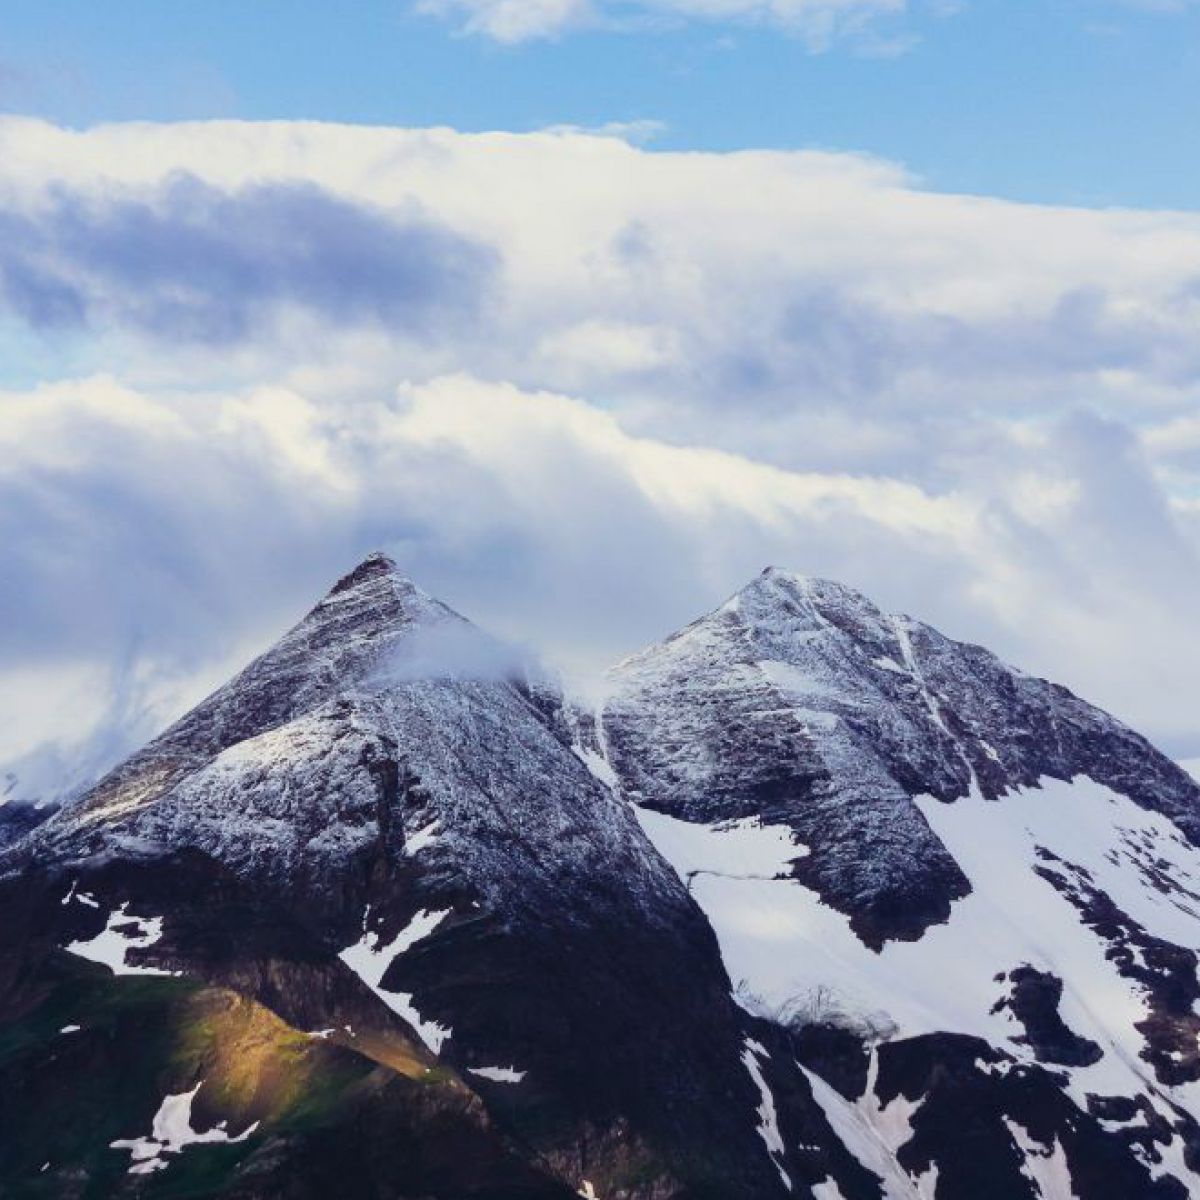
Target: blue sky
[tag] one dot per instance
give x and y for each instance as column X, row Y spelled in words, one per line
column 1091, row 102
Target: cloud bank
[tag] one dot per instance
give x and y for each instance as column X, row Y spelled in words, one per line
column 185, row 261
column 580, row 390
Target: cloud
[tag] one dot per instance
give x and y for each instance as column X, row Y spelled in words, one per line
column 818, row 22
column 191, row 262
column 186, row 535
column 727, row 299
column 582, row 390
column 638, row 132
column 513, row 20
column 450, row 650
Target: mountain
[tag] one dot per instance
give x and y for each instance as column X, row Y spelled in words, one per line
column 817, row 903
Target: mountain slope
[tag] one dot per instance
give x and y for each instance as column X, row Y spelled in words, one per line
column 902, row 844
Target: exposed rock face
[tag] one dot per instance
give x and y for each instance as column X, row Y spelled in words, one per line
column 801, row 703
column 820, row 904
column 1034, row 1001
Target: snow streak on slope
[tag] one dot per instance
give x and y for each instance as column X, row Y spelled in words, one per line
column 768, row 1120
column 369, row 960
column 873, row 1135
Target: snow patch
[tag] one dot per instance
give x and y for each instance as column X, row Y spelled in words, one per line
column 171, row 1132
column 872, row 1134
column 598, row 766
column 422, row 838
column 793, row 680
column 122, row 934
column 1045, row 1166
column 82, row 897
column 744, row 849
column 827, row 1189
column 787, row 951
column 499, row 1074
column 787, row 948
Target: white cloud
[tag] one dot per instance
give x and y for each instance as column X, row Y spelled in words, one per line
column 602, row 347
column 685, row 290
column 182, row 532
column 819, row 22
column 513, row 20
column 639, row 132
column 589, row 390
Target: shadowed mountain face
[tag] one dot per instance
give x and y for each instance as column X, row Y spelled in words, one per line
column 819, row 903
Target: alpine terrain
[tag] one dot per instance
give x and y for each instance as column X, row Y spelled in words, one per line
column 816, row 903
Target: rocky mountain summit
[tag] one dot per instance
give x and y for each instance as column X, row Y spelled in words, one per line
column 818, row 903
column 798, row 702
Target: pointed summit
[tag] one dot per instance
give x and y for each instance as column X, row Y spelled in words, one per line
column 383, row 588
column 376, row 565
column 361, row 617
column 776, row 591
column 336, row 650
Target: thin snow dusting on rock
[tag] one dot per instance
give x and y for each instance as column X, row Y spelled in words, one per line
column 812, row 879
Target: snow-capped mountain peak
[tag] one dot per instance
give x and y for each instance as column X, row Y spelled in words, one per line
column 384, row 777
column 802, row 703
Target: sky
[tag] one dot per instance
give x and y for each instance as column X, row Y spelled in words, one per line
column 1058, row 101
column 586, row 311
